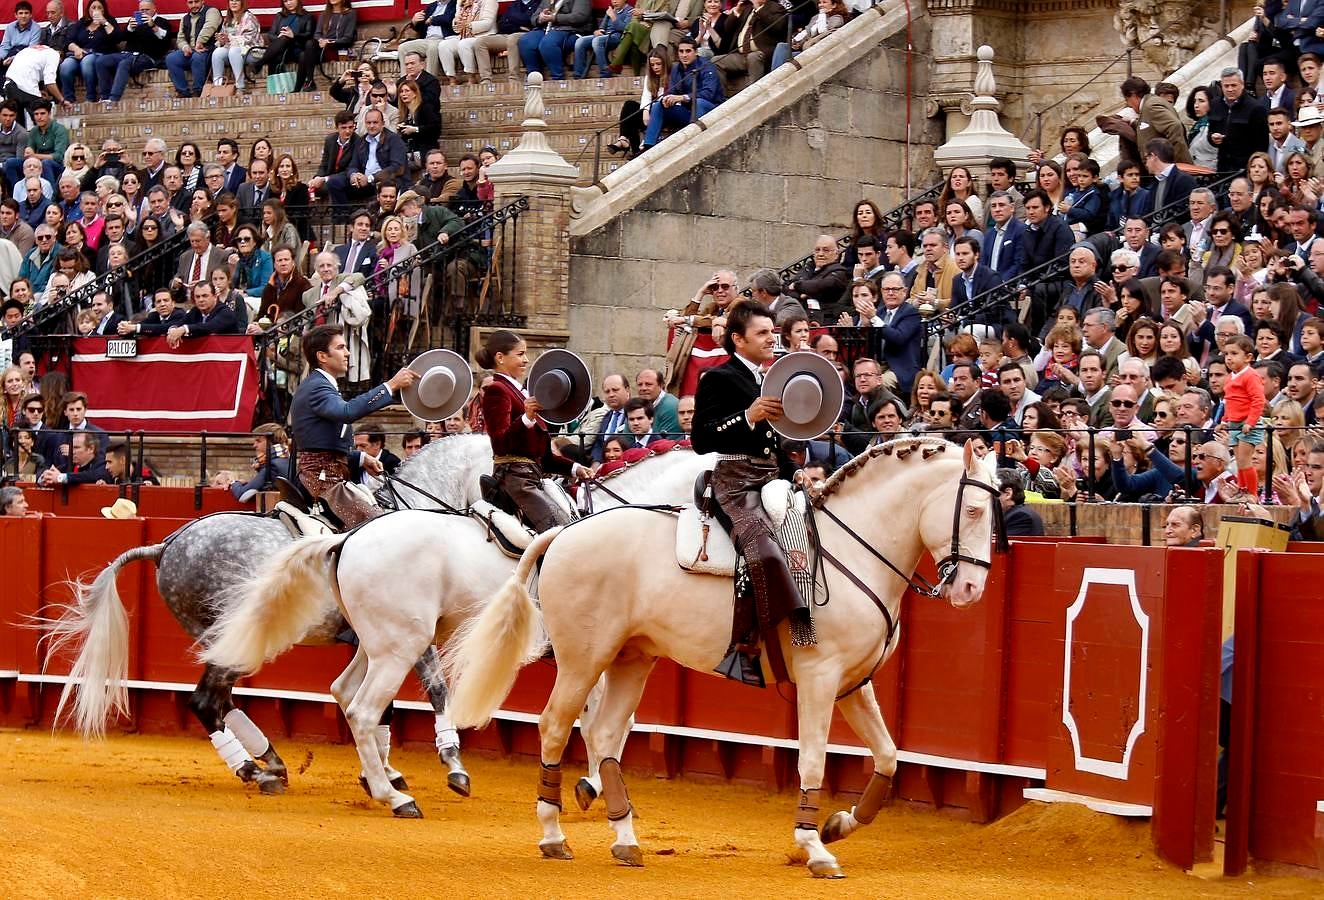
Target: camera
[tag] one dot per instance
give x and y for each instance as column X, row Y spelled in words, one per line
column 1123, row 434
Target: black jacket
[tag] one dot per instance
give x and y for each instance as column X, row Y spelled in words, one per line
column 1045, row 242
column 720, row 425
column 154, row 324
column 1245, row 129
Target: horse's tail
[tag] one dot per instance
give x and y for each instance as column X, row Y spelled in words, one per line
column 482, row 660
column 272, row 610
column 98, row 626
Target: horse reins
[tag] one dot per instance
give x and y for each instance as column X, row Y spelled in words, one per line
column 596, row 484
column 391, row 482
column 947, row 565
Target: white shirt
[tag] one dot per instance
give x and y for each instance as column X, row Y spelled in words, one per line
column 33, row 67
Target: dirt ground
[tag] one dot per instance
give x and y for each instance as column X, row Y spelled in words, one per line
column 151, row 817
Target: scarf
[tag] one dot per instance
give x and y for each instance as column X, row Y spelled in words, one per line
column 465, row 16
column 1200, row 125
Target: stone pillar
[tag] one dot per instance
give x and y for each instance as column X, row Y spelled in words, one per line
column 542, row 264
column 984, row 138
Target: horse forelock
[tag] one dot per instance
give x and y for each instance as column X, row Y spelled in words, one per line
column 899, row 451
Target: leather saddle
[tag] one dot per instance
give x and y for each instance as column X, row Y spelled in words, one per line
column 708, row 550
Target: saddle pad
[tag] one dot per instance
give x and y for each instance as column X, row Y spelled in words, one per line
column 299, row 523
column 554, row 489
column 777, row 497
column 510, row 534
column 690, row 545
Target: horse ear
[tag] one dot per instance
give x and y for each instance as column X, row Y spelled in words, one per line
column 968, row 455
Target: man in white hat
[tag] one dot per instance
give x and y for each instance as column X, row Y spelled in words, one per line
column 1308, row 127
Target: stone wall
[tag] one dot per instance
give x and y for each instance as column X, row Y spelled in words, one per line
column 758, row 201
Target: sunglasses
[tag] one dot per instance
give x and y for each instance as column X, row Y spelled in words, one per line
column 243, row 240
column 33, row 408
column 115, row 203
column 1122, row 404
column 78, row 157
column 722, row 287
column 1221, row 231
column 379, row 96
column 1121, row 268
column 45, row 237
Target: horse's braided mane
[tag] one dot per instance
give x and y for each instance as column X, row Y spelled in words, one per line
column 900, row 448
column 652, row 454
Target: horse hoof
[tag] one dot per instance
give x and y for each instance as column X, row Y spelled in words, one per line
column 408, row 810
column 557, row 850
column 248, row 772
column 834, row 829
column 628, row 854
column 825, row 869
column 459, row 783
column 363, row 783
column 585, row 793
column 270, row 784
column 399, row 783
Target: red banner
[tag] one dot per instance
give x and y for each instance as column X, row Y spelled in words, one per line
column 207, row 384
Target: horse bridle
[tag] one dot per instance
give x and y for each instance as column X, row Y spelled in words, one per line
column 947, row 565
column 595, row 484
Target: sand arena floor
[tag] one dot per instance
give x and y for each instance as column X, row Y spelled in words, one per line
column 160, row 817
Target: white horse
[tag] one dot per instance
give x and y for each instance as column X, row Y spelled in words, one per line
column 875, row 517
column 402, row 581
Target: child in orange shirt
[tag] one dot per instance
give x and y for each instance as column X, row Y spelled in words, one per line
column 1243, row 404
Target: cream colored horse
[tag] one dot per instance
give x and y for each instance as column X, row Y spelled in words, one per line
column 617, row 612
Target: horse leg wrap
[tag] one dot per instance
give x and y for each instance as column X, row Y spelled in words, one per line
column 549, row 785
column 232, row 752
column 447, row 736
column 614, row 794
column 382, row 734
column 806, row 814
column 242, row 727
column 876, row 793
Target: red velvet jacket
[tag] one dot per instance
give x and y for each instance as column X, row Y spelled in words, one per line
column 503, row 412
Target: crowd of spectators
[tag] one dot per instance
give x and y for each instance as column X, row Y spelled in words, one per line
column 1184, row 365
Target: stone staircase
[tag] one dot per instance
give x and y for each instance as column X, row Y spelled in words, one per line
column 473, row 116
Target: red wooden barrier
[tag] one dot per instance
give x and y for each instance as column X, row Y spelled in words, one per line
column 973, row 697
column 1276, row 761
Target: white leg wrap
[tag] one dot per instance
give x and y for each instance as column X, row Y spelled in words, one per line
column 383, row 735
column 232, row 752
column 447, row 736
column 242, row 727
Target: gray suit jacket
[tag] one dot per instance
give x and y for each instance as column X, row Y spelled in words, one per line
column 217, row 257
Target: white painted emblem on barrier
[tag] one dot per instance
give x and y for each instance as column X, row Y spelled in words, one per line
column 1125, row 578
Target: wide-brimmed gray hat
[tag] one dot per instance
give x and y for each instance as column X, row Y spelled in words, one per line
column 561, row 384
column 443, row 387
column 811, row 392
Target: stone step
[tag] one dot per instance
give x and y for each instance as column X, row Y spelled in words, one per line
column 622, row 87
